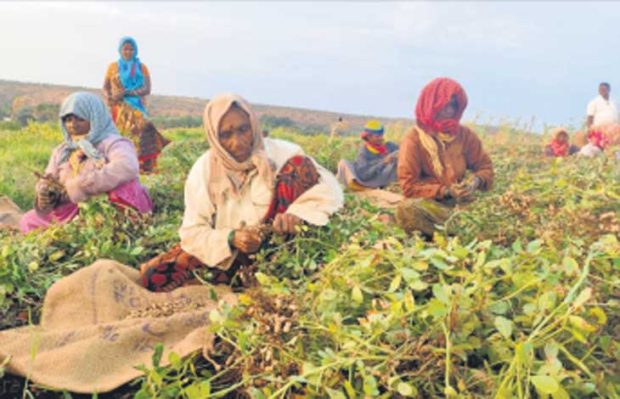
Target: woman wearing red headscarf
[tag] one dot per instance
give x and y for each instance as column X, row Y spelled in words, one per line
column 435, row 156
column 560, row 145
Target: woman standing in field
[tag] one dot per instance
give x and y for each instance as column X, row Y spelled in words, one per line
column 93, row 159
column 375, row 165
column 560, row 145
column 127, row 82
column 435, row 156
column 244, row 187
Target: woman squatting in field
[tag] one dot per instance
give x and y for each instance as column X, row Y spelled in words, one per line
column 560, row 145
column 244, row 187
column 93, row 159
column 435, row 156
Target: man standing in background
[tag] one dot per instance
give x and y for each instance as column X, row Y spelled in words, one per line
column 602, row 110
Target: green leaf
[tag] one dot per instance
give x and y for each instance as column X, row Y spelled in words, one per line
column 560, row 394
column 333, row 394
column 262, row 278
column 56, row 255
column 395, row 283
column 406, row 389
column 357, row 295
column 409, row 301
column 551, row 350
column 174, row 360
column 215, row 316
column 545, row 384
column 198, row 390
column 436, row 308
column 350, row 390
column 418, row 285
column 525, row 353
column 504, row 326
column 601, row 316
column 136, row 251
column 581, row 324
column 583, row 297
column 156, row 358
column 441, row 293
column 570, row 266
column 370, row 385
column 410, row 275
column 450, row 392
column 533, row 246
column 33, row 266
column 439, row 263
column 499, row 307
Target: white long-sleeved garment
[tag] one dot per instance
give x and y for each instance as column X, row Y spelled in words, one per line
column 205, row 229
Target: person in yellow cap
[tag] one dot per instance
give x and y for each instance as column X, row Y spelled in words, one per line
column 375, row 165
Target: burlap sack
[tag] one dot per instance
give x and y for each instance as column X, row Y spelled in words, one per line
column 10, row 214
column 420, row 214
column 99, row 323
column 381, row 198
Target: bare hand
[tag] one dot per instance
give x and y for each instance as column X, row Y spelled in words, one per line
column 248, row 240
column 286, row 223
column 46, row 196
column 44, row 201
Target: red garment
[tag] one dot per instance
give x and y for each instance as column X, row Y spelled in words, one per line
column 377, row 148
column 296, row 177
column 374, row 148
column 597, row 138
column 434, row 96
column 560, row 149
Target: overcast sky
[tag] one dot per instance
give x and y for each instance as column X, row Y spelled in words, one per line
column 516, row 60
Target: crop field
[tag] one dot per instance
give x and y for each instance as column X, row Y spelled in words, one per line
column 518, row 296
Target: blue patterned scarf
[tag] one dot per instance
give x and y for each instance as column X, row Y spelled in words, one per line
column 130, row 72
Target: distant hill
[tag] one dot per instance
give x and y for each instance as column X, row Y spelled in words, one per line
column 19, row 94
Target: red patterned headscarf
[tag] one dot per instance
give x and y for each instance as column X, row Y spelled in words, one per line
column 434, row 96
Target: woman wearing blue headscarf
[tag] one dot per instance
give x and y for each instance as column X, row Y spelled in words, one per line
column 94, row 159
column 127, row 82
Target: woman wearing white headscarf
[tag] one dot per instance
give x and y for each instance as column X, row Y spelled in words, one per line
column 241, row 187
column 93, row 159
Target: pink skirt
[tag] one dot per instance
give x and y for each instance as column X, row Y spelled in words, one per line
column 131, row 194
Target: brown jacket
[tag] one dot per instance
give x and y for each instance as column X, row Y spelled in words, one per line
column 415, row 171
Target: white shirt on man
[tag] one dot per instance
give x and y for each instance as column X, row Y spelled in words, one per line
column 603, row 111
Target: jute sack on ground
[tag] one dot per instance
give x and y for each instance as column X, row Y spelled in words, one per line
column 99, row 323
column 10, row 214
column 381, row 198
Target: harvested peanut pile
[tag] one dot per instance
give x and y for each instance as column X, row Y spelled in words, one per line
column 165, row 309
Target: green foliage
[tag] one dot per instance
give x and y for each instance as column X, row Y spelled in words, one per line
column 25, row 115
column 5, row 110
column 169, row 122
column 21, row 153
column 521, row 303
column 9, row 126
column 46, row 112
column 272, row 122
